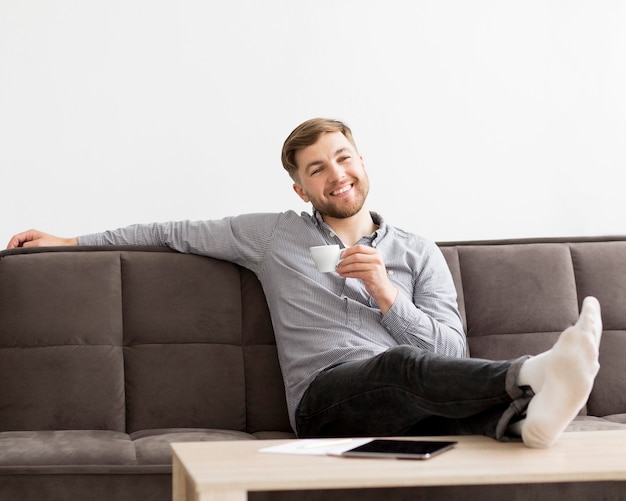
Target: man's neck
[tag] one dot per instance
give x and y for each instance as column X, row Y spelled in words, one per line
column 351, row 229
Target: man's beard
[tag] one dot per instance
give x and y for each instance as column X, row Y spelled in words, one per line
column 343, row 210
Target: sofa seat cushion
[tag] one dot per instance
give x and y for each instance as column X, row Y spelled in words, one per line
column 617, row 418
column 594, row 423
column 87, row 448
column 66, row 447
column 153, row 446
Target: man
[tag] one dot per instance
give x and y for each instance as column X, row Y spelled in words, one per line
column 376, row 348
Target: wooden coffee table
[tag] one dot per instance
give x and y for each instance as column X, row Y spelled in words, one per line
column 226, row 471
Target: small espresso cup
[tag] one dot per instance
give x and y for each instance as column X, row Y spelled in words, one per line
column 326, row 257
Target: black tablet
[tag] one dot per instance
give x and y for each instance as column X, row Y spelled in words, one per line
column 399, row 449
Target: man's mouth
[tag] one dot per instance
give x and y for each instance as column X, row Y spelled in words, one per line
column 341, row 190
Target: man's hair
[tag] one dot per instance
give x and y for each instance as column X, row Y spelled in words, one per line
column 307, row 134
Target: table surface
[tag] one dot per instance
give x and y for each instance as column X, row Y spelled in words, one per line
column 229, row 469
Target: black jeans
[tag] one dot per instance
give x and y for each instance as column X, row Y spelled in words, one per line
column 408, row 391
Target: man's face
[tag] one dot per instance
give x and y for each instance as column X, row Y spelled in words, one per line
column 331, row 175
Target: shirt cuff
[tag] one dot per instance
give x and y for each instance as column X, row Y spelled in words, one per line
column 399, row 317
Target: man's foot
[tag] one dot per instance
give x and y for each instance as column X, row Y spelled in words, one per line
column 562, row 378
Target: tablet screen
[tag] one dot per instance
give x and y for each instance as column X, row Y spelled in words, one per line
column 401, row 449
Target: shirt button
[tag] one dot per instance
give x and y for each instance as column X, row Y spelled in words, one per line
column 331, row 235
column 390, row 272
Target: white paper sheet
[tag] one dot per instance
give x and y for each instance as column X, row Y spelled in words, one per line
column 316, row 446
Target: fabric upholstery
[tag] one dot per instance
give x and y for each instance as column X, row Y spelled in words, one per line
column 153, row 446
column 184, row 319
column 61, row 362
column 108, row 355
column 68, row 447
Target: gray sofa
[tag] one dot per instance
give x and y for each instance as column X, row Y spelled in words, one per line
column 109, row 354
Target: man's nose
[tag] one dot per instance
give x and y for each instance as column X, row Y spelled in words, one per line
column 337, row 172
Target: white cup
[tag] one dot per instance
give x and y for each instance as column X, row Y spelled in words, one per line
column 326, row 257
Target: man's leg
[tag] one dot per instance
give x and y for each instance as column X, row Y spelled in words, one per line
column 396, row 391
column 404, row 387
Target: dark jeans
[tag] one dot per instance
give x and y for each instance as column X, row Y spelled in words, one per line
column 408, row 391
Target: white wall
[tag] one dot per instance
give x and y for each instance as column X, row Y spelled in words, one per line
column 477, row 119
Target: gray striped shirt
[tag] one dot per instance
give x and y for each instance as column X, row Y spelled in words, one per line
column 321, row 319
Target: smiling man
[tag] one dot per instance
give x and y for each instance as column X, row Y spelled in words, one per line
column 377, row 347
column 334, row 180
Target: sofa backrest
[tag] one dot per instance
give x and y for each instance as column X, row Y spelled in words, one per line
column 130, row 339
column 516, row 297
column 133, row 338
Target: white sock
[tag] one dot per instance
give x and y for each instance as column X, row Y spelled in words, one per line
column 533, row 372
column 561, row 378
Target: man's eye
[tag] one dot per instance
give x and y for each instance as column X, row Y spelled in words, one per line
column 344, row 158
column 316, row 171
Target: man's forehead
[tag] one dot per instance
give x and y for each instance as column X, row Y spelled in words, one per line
column 329, row 143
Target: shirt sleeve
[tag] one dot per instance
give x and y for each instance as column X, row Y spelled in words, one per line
column 430, row 319
column 241, row 239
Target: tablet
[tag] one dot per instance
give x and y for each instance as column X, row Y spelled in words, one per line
column 399, row 449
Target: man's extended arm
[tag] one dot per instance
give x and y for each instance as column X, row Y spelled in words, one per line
column 241, row 239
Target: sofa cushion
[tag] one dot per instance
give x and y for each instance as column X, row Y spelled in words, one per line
column 153, row 446
column 191, row 385
column 183, row 335
column 266, row 406
column 517, row 289
column 617, row 418
column 68, row 447
column 601, row 272
column 60, row 342
column 594, row 423
column 451, row 255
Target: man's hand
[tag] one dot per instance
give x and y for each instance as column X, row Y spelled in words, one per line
column 35, row 238
column 366, row 263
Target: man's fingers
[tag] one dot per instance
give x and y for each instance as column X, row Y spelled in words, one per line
column 358, row 249
column 19, row 239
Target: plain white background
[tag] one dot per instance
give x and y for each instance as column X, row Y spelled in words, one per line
column 476, row 119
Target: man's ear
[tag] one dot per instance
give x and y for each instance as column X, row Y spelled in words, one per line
column 298, row 189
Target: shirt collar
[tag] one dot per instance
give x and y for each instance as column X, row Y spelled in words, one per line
column 372, row 239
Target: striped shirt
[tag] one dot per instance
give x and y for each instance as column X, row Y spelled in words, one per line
column 321, row 319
